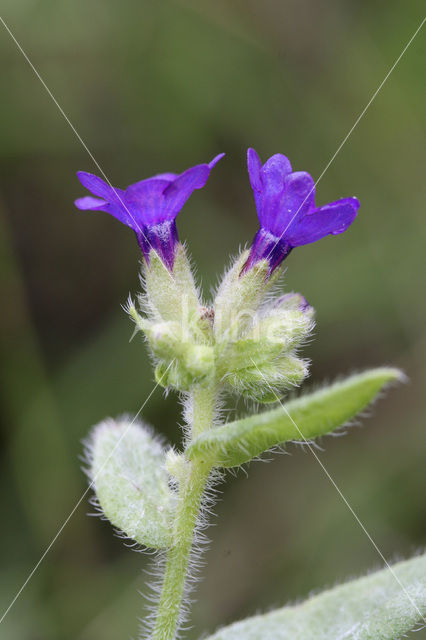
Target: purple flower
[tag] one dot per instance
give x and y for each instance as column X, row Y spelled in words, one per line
column 285, row 203
column 149, row 207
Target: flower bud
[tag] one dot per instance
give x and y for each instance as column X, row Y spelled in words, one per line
column 264, row 383
column 245, row 353
column 165, row 339
column 172, row 375
column 288, row 328
column 198, row 360
column 296, row 302
column 193, row 363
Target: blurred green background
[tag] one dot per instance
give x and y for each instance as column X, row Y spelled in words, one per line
column 159, row 86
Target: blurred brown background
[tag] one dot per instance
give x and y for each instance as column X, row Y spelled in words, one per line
column 159, row 86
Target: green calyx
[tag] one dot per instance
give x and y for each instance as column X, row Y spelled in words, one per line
column 238, row 298
column 170, row 295
column 245, row 343
column 193, row 364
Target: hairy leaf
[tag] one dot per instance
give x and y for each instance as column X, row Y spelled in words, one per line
column 307, row 417
column 127, row 468
column 382, row 606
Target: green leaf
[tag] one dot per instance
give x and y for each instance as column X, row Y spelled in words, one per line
column 382, row 606
column 315, row 414
column 127, row 468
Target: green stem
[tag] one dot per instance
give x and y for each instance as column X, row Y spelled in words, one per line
column 203, row 407
column 191, row 489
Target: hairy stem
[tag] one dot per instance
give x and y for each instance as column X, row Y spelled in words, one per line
column 203, row 409
column 191, row 490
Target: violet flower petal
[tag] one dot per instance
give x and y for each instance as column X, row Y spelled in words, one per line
column 274, row 171
column 165, row 176
column 215, row 160
column 113, row 199
column 87, row 203
column 95, row 184
column 273, row 175
column 146, row 200
column 254, row 166
column 267, row 183
column 296, row 198
column 331, row 219
column 178, row 192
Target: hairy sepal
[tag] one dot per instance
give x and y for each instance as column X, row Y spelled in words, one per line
column 239, row 297
column 287, row 327
column 382, row 606
column 128, row 473
column 170, row 295
column 166, row 339
column 309, row 416
column 257, row 336
column 192, row 364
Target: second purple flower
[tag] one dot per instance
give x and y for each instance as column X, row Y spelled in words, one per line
column 288, row 216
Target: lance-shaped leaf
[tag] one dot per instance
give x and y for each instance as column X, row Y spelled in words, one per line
column 127, row 470
column 312, row 415
column 382, row 606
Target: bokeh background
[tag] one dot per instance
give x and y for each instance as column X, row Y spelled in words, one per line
column 157, row 86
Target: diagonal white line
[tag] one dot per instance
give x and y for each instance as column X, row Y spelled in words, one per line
column 351, row 130
column 80, row 139
column 312, row 450
column 91, row 484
